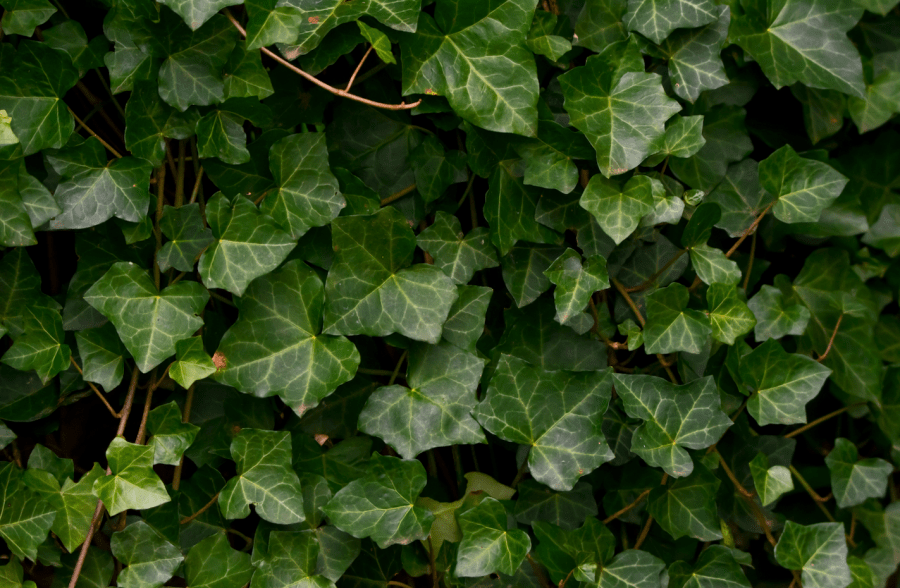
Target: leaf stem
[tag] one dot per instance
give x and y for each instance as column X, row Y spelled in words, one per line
column 397, row 368
column 749, row 230
column 750, row 262
column 95, row 135
column 649, row 281
column 197, row 183
column 633, row 504
column 318, row 82
column 644, row 532
column 185, row 418
column 358, row 66
column 94, row 388
column 740, row 488
column 831, row 341
column 202, row 510
column 539, row 572
column 398, row 195
column 160, row 201
column 819, row 420
column 641, row 320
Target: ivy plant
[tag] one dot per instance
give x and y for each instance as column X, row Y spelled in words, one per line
column 449, row 293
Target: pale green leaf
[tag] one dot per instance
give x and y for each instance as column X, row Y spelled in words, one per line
column 132, row 484
column 169, row 436
column 770, row 482
column 150, row 559
column 820, row 551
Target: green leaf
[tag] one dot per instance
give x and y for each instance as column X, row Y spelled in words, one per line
column 802, row 41
column 127, row 297
column 294, row 360
column 727, row 142
column 823, row 111
column 671, row 326
column 458, row 255
column 523, row 271
column 102, row 356
column 656, row 19
column 169, row 436
column 562, row 429
column 221, row 134
column 212, row 563
column 370, row 290
column 542, row 40
column 695, row 65
column 7, row 436
column 133, row 484
column 291, row 560
column 149, row 121
column 782, row 383
column 600, row 24
column 465, row 323
column 564, row 509
column 618, row 208
column 307, row 194
column 196, row 12
column 25, row 518
column 509, row 207
column 634, row 333
column 447, row 55
column 248, row 244
column 69, row 37
column 575, row 283
column 699, row 227
column 97, row 571
column 15, row 224
column 684, row 136
column 378, row 40
column 265, row 479
column 548, row 160
column 22, row 16
column 716, row 566
column 381, row 504
column 193, row 362
column 74, row 503
column 31, row 92
column 803, row 187
column 729, row 316
column 881, row 102
column 187, row 235
column 40, row 347
column 883, row 233
column 487, row 545
column 434, row 410
column 435, row 170
column 770, row 482
column 621, row 109
column 561, row 551
column 854, row 480
column 630, row 568
column 775, row 318
column 20, row 285
column 674, row 417
column 819, row 550
column 713, row 267
column 150, row 559
column 246, row 77
column 688, row 507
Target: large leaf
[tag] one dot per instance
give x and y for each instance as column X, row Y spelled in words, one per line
column 674, row 417
column 671, row 326
column 371, row 291
column 802, row 41
column 132, row 484
column 853, row 480
column 487, row 545
column 150, row 558
column 457, row 254
column 629, row 568
column 621, row 109
column 557, row 414
column 803, row 187
column 292, row 360
column 688, row 507
column 775, row 317
column 448, row 56
column 25, row 518
column 148, row 321
column 196, row 12
column 381, row 504
column 618, row 208
column 716, row 566
column 40, row 347
column 434, row 410
column 265, row 479
column 820, row 551
column 290, row 557
column 212, row 563
column 655, row 19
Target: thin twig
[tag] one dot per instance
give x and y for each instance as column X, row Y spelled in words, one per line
column 202, row 510
column 95, row 135
column 819, row 420
column 649, row 281
column 749, row 230
column 644, row 532
column 96, row 391
column 400, row 584
column 160, row 201
column 318, row 82
column 641, row 320
column 538, row 572
column 197, row 183
column 606, row 340
column 750, row 262
column 432, row 560
column 222, row 299
column 622, row 511
column 522, row 469
column 398, row 195
column 358, row 66
column 812, row 493
column 740, row 488
column 397, row 368
column 185, row 418
column 831, row 341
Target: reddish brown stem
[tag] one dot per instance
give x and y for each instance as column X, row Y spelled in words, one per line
column 831, row 341
column 358, row 66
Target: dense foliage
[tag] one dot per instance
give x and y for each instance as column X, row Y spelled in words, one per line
column 457, row 293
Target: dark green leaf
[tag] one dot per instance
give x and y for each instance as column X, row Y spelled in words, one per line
column 770, row 482
column 487, row 545
column 819, row 550
column 212, row 563
column 457, row 254
column 688, row 507
column 150, row 558
column 133, row 484
column 169, row 436
column 774, row 317
column 803, row 187
column 716, row 566
column 671, row 326
column 853, row 480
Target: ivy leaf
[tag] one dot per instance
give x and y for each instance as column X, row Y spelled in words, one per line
column 31, row 91
column 25, row 518
column 881, row 102
column 561, row 550
column 435, row 169
column 40, row 347
column 465, row 323
column 369, row 289
column 381, row 504
column 523, row 271
column 212, row 563
column 683, row 138
column 575, row 282
column 193, row 362
column 265, row 479
column 509, row 207
column 621, row 109
column 16, row 228
column 503, row 69
column 630, row 568
column 562, row 429
column 149, row 121
column 487, row 545
column 290, row 556
column 248, row 244
column 187, row 237
column 600, row 24
column 169, row 436
column 883, row 233
column 133, row 484
column 777, row 37
column 618, row 208
column 150, row 559
column 819, row 550
column 770, row 482
column 246, row 77
column 713, row 267
column 688, row 507
column 549, row 159
column 294, row 361
column 102, row 356
column 693, row 55
column 74, row 503
column 716, row 566
column 307, row 194
column 671, row 326
column 127, row 297
column 727, row 142
column 196, row 12
column 456, row 254
column 674, row 417
column 543, row 41
column 378, row 40
column 564, row 509
column 775, row 318
column 434, row 410
column 220, row 133
column 22, row 16
column 656, row 19
column 803, row 187
column 728, row 314
column 853, row 480
column 782, row 383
